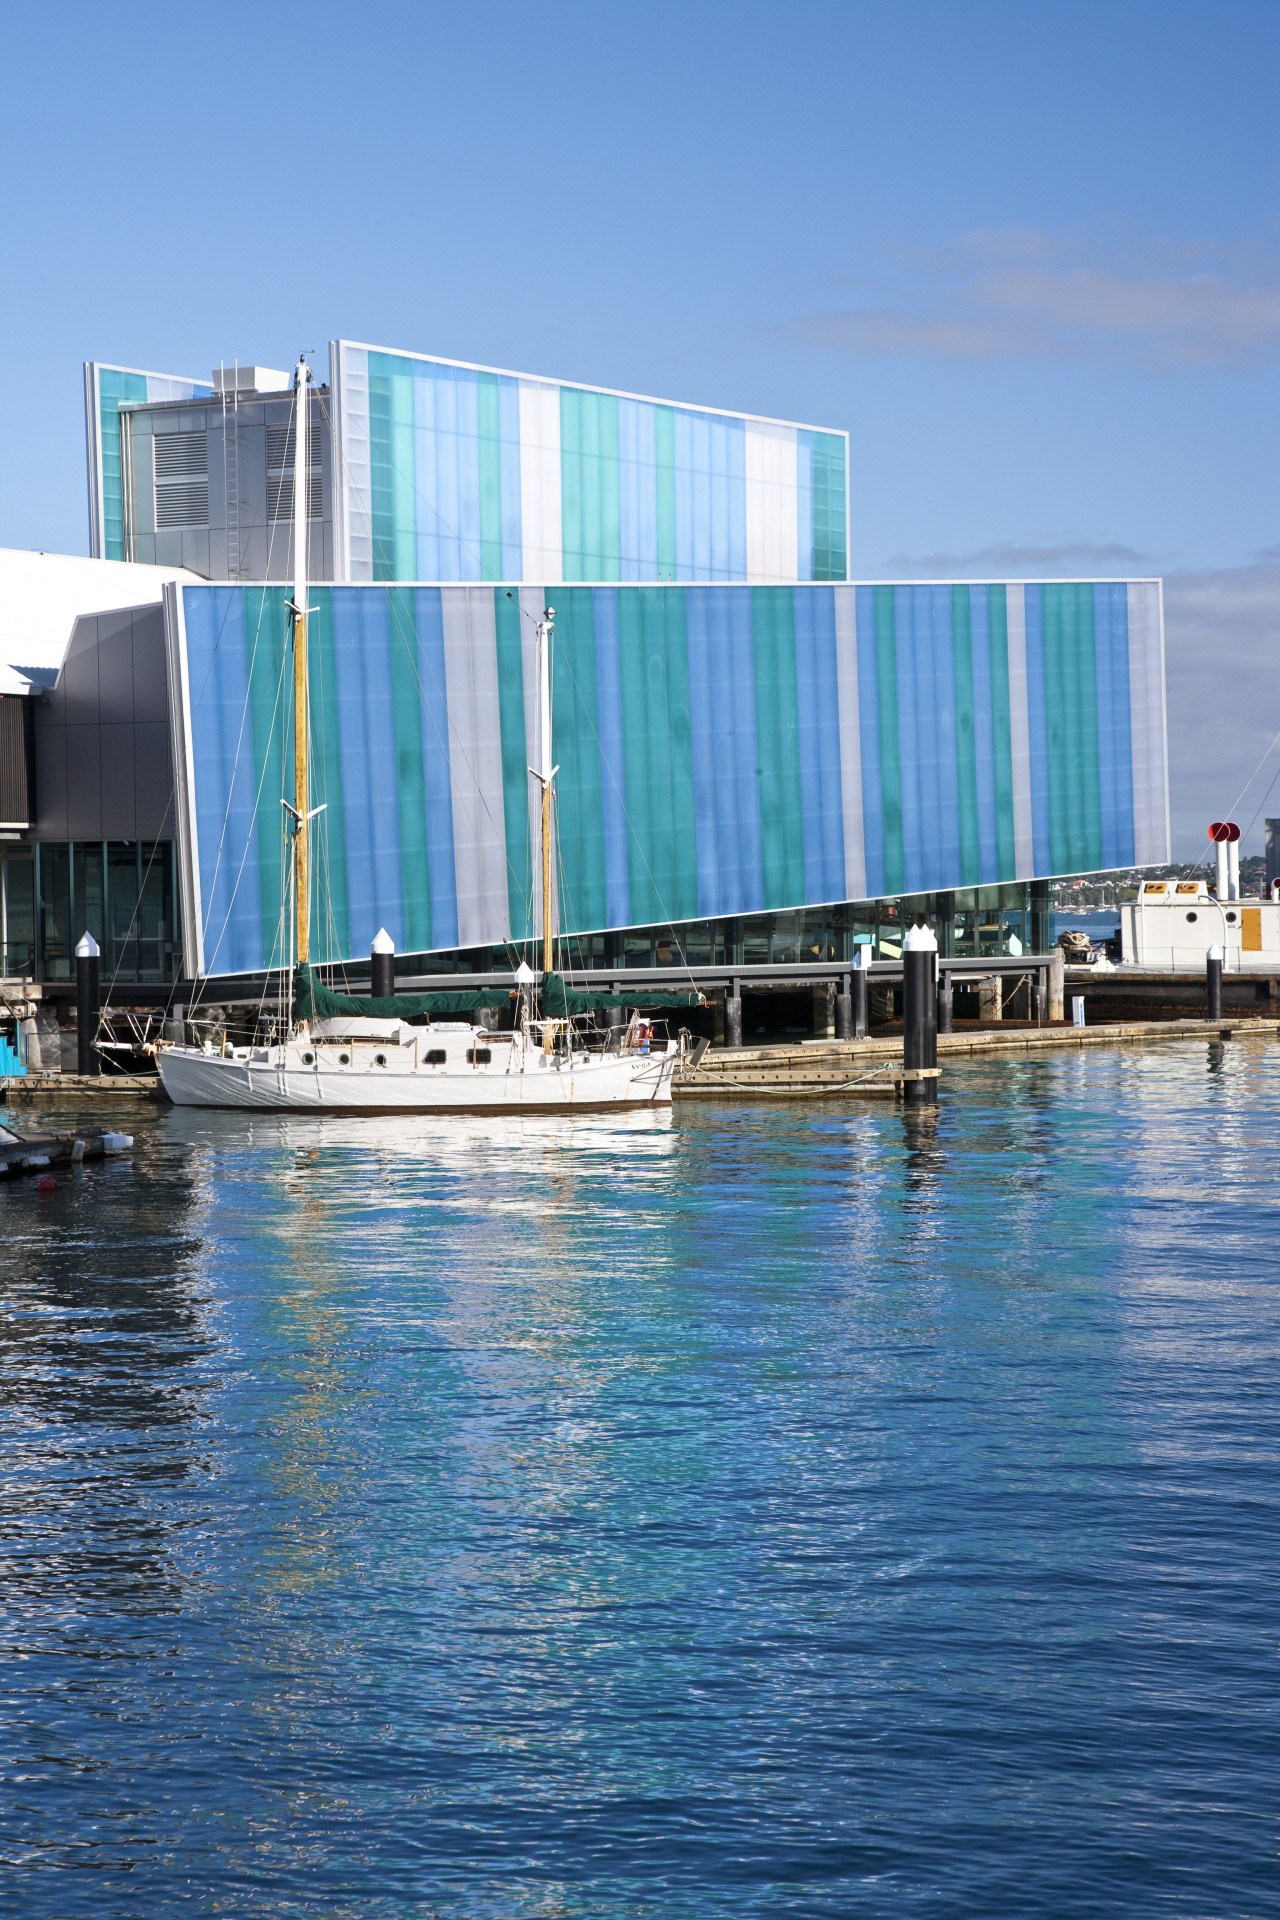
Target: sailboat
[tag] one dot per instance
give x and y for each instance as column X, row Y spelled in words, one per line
column 420, row 1053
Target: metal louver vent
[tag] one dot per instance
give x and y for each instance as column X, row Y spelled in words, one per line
column 280, row 474
column 181, row 479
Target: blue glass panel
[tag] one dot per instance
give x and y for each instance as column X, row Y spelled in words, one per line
column 869, row 737
column 611, row 737
column 819, row 725
column 436, row 775
column 1037, row 729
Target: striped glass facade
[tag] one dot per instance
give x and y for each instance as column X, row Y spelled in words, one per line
column 723, row 750
column 107, row 390
column 450, row 472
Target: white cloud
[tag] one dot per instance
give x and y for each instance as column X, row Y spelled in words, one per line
column 1222, row 636
column 1222, row 661
column 1022, row 295
column 1051, row 559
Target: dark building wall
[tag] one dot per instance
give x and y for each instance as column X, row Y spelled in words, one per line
column 16, row 759
column 103, row 765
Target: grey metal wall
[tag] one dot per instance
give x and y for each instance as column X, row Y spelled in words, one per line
column 240, row 542
column 103, row 765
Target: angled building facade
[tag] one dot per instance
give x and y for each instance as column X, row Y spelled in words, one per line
column 725, row 753
column 759, row 759
column 429, row 469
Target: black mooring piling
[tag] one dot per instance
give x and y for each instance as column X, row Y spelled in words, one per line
column 382, row 965
column 919, row 1016
column 88, row 1005
column 1213, row 984
column 860, row 994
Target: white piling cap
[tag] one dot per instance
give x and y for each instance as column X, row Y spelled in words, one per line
column 88, row 949
column 525, row 974
column 382, row 942
column 920, row 940
column 1215, row 953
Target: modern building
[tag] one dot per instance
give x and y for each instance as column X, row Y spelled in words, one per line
column 428, row 469
column 760, row 761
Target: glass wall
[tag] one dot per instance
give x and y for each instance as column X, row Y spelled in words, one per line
column 120, row 891
column 977, row 923
column 17, row 916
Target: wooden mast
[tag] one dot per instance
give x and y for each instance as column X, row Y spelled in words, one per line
column 301, row 823
column 546, row 774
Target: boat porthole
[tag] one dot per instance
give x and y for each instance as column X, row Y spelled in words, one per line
column 344, row 1059
column 379, row 1059
column 1231, row 919
column 1190, row 916
column 308, row 1059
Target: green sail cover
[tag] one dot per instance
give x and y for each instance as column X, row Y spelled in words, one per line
column 559, row 999
column 315, row 1001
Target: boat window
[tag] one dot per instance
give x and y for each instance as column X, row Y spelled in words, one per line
column 436, row 1056
column 379, row 1059
column 481, row 1056
column 308, row 1059
column 344, row 1059
column 1191, row 916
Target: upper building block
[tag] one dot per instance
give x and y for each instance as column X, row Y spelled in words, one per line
column 428, row 470
column 456, row 472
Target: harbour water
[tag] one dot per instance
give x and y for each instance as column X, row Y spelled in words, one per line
column 764, row 1511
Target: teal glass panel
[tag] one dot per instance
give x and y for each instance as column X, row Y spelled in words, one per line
column 331, row 932
column 590, row 508
column 115, row 390
column 488, row 403
column 411, row 789
column 773, row 634
column 965, row 734
column 576, row 747
column 830, row 560
column 393, row 500
column 508, row 619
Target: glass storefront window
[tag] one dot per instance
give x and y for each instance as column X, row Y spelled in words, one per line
column 56, row 940
column 87, row 910
column 17, row 918
column 153, row 925
column 121, row 892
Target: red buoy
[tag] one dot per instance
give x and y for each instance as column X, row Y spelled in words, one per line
column 46, row 1183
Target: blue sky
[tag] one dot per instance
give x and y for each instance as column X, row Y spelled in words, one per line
column 1026, row 251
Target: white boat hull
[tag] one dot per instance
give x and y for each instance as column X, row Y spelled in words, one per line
column 338, row 1078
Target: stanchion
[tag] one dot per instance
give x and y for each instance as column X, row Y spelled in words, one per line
column 860, row 993
column 382, row 965
column 87, row 1005
column 919, row 1016
column 1213, row 984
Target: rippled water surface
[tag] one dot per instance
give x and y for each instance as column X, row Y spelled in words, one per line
column 755, row 1511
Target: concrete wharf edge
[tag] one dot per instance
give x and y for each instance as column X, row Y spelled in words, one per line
column 821, row 1068
column 827, row 1069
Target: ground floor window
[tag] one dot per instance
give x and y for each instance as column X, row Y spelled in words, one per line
column 977, row 923
column 120, row 891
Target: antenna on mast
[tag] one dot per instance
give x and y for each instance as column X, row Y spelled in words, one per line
column 301, row 822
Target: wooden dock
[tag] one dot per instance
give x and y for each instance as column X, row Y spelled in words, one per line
column 872, row 1069
column 84, row 1089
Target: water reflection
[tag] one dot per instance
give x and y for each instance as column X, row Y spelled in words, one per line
column 103, row 1335
column 643, row 1513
